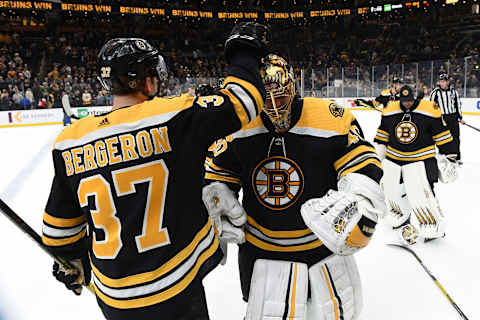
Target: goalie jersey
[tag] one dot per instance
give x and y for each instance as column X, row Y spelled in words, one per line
column 128, row 187
column 412, row 134
column 279, row 172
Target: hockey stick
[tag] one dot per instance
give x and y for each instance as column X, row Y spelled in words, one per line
column 22, row 225
column 465, row 124
column 433, row 278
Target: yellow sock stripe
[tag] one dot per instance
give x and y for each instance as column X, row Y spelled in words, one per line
column 64, row 241
column 351, row 155
column 155, row 274
column 63, row 222
column 279, row 234
column 270, row 247
column 214, row 176
column 362, row 165
column 330, row 290
column 292, row 299
column 164, row 295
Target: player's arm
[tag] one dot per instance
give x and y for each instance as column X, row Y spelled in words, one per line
column 382, row 139
column 64, row 230
column 442, row 136
column 345, row 220
column 242, row 97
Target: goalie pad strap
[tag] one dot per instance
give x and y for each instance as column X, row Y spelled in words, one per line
column 278, row 291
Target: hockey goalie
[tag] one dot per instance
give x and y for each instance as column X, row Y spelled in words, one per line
column 311, row 199
column 409, row 133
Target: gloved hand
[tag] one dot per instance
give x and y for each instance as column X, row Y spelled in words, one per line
column 248, row 36
column 74, row 279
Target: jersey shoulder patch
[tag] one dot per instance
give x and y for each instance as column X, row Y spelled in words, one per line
column 325, row 115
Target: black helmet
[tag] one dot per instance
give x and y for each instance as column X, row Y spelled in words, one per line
column 124, row 63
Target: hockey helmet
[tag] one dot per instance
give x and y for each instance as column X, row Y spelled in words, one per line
column 279, row 81
column 124, row 63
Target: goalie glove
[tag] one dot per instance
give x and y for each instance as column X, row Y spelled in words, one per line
column 248, row 36
column 447, row 168
column 221, row 201
column 345, row 220
column 74, row 279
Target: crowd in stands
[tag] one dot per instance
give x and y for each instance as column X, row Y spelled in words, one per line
column 37, row 68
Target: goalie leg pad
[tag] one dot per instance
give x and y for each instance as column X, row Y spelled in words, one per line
column 398, row 207
column 426, row 209
column 336, row 289
column 278, row 290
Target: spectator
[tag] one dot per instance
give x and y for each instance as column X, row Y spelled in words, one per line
column 86, row 98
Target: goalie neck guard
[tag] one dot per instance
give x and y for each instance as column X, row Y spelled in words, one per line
column 124, row 63
column 279, row 81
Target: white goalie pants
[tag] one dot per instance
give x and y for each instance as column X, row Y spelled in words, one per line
column 280, row 290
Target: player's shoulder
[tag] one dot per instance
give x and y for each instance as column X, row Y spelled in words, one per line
column 392, row 107
column 156, row 110
column 385, row 92
column 429, row 108
column 253, row 128
column 323, row 114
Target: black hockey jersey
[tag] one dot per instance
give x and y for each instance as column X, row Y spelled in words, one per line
column 134, row 176
column 385, row 97
column 412, row 134
column 279, row 172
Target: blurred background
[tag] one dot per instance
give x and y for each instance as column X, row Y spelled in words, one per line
column 338, row 48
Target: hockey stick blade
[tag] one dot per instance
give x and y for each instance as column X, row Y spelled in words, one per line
column 33, row 235
column 457, row 308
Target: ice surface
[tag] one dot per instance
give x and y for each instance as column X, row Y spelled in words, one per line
column 395, row 286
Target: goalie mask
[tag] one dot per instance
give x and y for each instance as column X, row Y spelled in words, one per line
column 279, row 81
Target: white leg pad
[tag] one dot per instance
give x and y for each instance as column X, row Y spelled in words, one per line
column 278, row 290
column 425, row 206
column 336, row 290
column 398, row 206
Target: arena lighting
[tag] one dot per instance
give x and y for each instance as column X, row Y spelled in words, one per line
column 451, row 1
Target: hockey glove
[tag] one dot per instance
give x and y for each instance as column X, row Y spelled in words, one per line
column 74, row 279
column 248, row 36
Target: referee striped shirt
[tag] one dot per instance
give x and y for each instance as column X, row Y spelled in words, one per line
column 448, row 100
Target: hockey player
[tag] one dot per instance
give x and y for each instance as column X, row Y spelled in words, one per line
column 134, row 176
column 409, row 131
column 384, row 98
column 298, row 151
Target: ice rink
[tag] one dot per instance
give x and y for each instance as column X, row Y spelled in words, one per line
column 395, row 286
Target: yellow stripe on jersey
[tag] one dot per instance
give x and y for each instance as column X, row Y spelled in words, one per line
column 270, row 247
column 155, row 274
column 164, row 295
column 279, row 234
column 441, row 134
column 353, row 154
column 214, row 176
column 361, row 165
column 63, row 241
column 237, row 105
column 336, row 308
column 411, row 153
column 377, row 137
column 383, row 132
column 441, row 143
column 250, row 88
column 63, row 222
column 211, row 164
column 123, row 116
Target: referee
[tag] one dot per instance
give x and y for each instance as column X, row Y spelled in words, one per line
column 449, row 101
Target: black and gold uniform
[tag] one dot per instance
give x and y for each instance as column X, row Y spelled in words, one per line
column 128, row 187
column 278, row 172
column 385, row 97
column 412, row 135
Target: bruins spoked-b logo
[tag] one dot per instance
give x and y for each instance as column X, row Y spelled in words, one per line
column 336, row 110
column 406, row 132
column 277, row 182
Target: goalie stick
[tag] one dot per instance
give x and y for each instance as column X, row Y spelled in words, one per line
column 433, row 278
column 22, row 225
